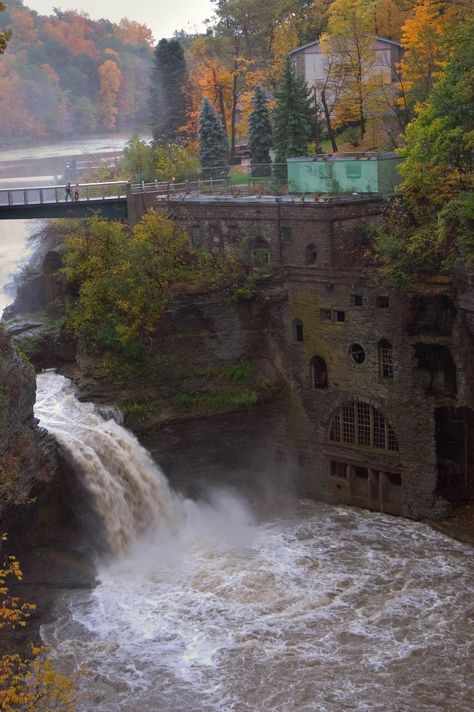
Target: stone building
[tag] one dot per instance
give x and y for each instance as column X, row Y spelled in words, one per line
column 380, row 395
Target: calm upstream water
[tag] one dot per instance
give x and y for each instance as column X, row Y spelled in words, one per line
column 225, row 605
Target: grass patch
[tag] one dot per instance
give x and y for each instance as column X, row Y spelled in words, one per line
column 216, row 400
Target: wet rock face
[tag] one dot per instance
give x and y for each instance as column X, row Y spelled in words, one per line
column 35, row 499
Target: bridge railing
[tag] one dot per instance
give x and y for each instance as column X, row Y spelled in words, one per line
column 37, row 195
column 211, row 186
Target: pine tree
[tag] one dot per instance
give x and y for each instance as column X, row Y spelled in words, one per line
column 260, row 135
column 167, row 101
column 294, row 118
column 213, row 149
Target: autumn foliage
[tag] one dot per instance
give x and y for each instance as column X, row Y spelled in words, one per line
column 27, row 683
column 67, row 75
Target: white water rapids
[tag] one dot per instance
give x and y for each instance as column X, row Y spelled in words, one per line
column 213, row 608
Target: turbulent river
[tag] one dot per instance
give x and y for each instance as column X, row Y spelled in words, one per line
column 227, row 605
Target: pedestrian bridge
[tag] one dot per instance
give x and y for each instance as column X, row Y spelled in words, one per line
column 108, row 200
column 113, row 200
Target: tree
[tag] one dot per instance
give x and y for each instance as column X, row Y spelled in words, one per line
column 294, row 118
column 426, row 49
column 213, row 150
column 350, row 43
column 110, row 79
column 4, row 36
column 168, row 102
column 434, row 224
column 260, row 135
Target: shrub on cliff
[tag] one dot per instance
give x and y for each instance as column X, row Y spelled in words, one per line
column 27, row 683
column 121, row 279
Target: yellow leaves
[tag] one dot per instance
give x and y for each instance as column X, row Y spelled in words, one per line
column 28, row 684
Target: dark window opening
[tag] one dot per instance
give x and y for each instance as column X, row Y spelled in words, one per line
column 286, row 233
column 357, row 353
column 195, row 235
column 382, row 301
column 214, row 234
column 298, row 330
column 435, row 369
column 385, row 359
column 339, row 469
column 431, row 315
column 454, row 434
column 261, row 258
column 319, row 374
column 311, row 254
column 332, row 315
column 357, row 300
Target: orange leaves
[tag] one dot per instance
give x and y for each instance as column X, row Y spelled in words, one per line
column 133, row 33
column 110, row 78
column 423, row 31
column 72, row 36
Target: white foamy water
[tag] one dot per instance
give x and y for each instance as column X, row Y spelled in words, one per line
column 315, row 609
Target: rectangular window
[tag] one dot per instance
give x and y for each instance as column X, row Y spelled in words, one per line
column 382, row 301
column 261, row 258
column 357, row 300
column 213, row 234
column 332, row 315
column 286, row 233
column 339, row 469
column 195, row 235
column 353, row 170
column 323, row 170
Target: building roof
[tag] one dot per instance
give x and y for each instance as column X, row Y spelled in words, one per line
column 316, row 42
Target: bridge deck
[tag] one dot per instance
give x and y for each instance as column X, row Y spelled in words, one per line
column 107, row 199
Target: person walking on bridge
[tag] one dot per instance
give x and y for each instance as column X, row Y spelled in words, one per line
column 68, row 192
column 76, row 192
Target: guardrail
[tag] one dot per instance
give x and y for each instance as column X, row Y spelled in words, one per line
column 47, row 194
column 167, row 188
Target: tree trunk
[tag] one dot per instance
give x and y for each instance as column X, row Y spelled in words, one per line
column 327, row 117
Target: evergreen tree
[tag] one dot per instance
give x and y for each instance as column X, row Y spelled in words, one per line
column 294, row 118
column 167, row 102
column 260, row 135
column 213, row 149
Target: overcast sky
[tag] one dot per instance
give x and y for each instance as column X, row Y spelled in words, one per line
column 163, row 17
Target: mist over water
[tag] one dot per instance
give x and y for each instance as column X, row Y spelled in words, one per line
column 226, row 606
column 14, row 252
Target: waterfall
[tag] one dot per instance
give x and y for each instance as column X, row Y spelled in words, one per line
column 128, row 490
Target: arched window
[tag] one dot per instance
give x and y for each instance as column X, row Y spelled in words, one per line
column 361, row 424
column 311, row 254
column 319, row 372
column 385, row 359
column 298, row 334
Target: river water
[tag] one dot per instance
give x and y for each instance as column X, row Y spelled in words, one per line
column 231, row 605
column 227, row 605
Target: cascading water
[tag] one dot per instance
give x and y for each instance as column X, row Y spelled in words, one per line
column 127, row 489
column 314, row 609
